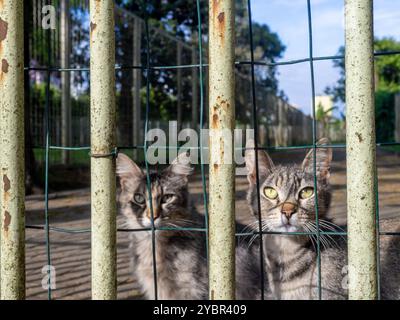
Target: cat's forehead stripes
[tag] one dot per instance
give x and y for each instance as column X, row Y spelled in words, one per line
column 288, row 180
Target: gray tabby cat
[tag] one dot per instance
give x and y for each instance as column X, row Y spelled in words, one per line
column 181, row 262
column 287, row 198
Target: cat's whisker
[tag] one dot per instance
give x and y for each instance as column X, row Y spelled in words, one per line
column 332, row 224
column 264, row 227
column 311, row 236
column 253, row 226
column 323, row 225
column 335, row 227
column 322, row 239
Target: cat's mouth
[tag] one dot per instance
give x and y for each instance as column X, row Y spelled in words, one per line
column 288, row 224
column 146, row 222
column 287, row 228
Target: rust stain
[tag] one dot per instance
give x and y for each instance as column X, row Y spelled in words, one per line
column 215, row 166
column 6, row 181
column 92, row 26
column 1, row 4
column 4, row 66
column 97, row 5
column 3, row 29
column 7, row 220
column 215, row 7
column 223, row 103
column 221, row 17
column 214, row 121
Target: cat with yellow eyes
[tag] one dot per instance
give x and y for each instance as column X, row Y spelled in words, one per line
column 288, row 209
column 287, row 199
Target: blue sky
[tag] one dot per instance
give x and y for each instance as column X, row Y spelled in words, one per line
column 289, row 19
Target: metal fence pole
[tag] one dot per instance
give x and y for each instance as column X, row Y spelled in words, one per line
column 195, row 83
column 103, row 142
column 65, row 49
column 360, row 137
column 137, row 83
column 397, row 117
column 222, row 168
column 12, row 183
column 179, row 95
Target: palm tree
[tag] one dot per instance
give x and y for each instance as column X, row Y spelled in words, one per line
column 324, row 117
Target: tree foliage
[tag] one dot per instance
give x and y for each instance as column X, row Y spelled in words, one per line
column 179, row 18
column 387, row 83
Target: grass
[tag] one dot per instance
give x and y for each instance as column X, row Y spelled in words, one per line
column 77, row 157
column 395, row 148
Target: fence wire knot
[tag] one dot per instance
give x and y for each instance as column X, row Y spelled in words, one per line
column 113, row 153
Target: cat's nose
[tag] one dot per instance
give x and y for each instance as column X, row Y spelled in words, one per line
column 156, row 213
column 288, row 209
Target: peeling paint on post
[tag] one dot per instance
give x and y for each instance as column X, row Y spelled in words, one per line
column 12, row 186
column 103, row 125
column 222, row 168
column 360, row 135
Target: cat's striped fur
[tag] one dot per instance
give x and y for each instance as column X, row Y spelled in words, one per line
column 181, row 258
column 291, row 260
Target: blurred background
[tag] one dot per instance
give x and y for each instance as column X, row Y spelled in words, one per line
column 283, row 92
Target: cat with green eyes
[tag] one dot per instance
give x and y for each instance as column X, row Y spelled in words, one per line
column 287, row 199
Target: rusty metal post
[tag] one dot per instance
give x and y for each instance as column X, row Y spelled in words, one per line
column 360, row 140
column 103, row 143
column 12, row 155
column 222, row 168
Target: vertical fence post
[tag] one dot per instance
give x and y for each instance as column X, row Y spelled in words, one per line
column 12, row 183
column 137, row 82
column 397, row 117
column 65, row 80
column 103, row 123
column 222, row 168
column 179, row 95
column 360, row 137
column 195, row 83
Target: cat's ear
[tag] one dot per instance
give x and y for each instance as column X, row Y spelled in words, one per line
column 265, row 163
column 181, row 165
column 323, row 159
column 127, row 170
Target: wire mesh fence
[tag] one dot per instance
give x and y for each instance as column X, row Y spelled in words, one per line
column 139, row 74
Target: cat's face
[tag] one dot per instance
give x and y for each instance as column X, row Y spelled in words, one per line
column 287, row 193
column 168, row 202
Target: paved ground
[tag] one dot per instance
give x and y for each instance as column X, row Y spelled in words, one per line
column 70, row 253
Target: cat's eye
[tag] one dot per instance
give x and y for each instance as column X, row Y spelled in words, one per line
column 167, row 198
column 270, row 193
column 139, row 198
column 306, row 193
